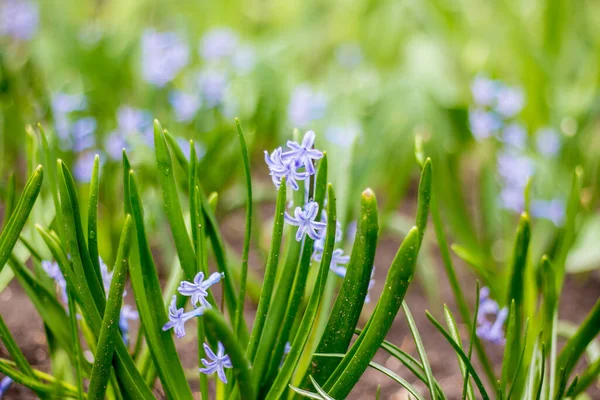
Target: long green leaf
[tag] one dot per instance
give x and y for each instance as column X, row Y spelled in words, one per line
column 33, row 382
column 18, row 218
column 346, row 310
column 92, row 226
column 420, row 349
column 356, row 360
column 108, row 332
column 239, row 312
column 14, row 350
column 146, row 287
column 424, row 198
column 453, row 328
column 50, row 162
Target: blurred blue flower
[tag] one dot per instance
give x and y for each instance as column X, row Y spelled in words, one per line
column 349, row 55
column 244, row 59
column 484, row 90
column 53, row 271
column 483, row 123
column 319, row 245
column 338, row 259
column 515, row 168
column 128, row 313
column 509, row 101
column 218, row 362
column 303, row 154
column 515, row 135
column 185, row 105
column 178, row 318
column 305, row 221
column 198, row 289
column 513, row 198
column 490, row 318
column 306, row 106
column 82, row 134
column 114, row 144
column 278, row 169
column 133, row 120
column 548, row 141
column 84, row 164
column 343, row 135
column 5, row 384
column 164, row 54
column 184, row 144
column 553, row 210
column 63, row 103
column 107, row 276
column 19, row 19
column 213, row 85
column 218, row 44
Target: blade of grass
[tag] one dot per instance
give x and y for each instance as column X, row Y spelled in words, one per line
column 454, row 332
column 18, row 218
column 108, row 333
column 320, row 390
column 472, row 339
column 34, row 384
column 50, row 162
column 76, row 344
column 92, row 226
column 14, row 350
column 515, row 377
column 239, row 312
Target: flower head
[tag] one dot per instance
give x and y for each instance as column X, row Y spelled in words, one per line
column 198, row 289
column 185, row 105
column 178, row 317
column 279, row 169
column 18, row 19
column 515, row 135
column 164, row 54
column 553, row 210
column 509, row 101
column 216, row 363
column 483, row 123
column 213, row 86
column 128, row 313
column 305, row 221
column 218, row 44
column 484, row 90
column 5, row 385
column 53, row 270
column 548, row 141
column 490, row 318
column 303, row 154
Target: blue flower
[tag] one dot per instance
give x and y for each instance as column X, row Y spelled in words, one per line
column 303, row 154
column 490, row 318
column 185, row 105
column 213, row 85
column 509, row 101
column 19, row 19
column 82, row 133
column 107, row 276
column 349, row 55
column 306, row 106
column 515, row 168
column 305, row 221
column 338, row 259
column 283, row 169
column 547, row 141
column 133, row 120
column 178, row 318
column 63, row 103
column 184, row 144
column 114, row 144
column 218, row 362
column 484, row 90
column 127, row 314
column 5, row 385
column 513, row 198
column 84, row 164
column 553, row 210
column 244, row 60
column 198, row 290
column 483, row 123
column 218, row 44
column 164, row 54
column 515, row 135
column 53, row 270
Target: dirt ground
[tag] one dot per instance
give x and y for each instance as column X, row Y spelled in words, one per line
column 579, row 296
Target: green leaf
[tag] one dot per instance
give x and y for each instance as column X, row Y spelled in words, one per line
column 588, row 376
column 461, row 354
column 320, row 390
column 146, row 288
column 172, row 204
column 516, row 372
column 270, row 272
column 512, row 339
column 18, row 218
column 472, row 339
column 241, row 366
column 78, row 356
column 362, row 351
column 50, row 162
column 306, row 393
column 308, row 320
column 14, row 350
column 576, row 345
column 92, row 226
column 351, row 298
column 239, row 312
column 451, row 322
column 420, row 349
column 34, row 384
column 424, row 198
column 109, row 331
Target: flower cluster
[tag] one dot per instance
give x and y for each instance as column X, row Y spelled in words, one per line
column 164, row 54
column 132, row 124
column 306, row 106
column 490, row 318
column 198, row 291
column 218, row 362
column 494, row 115
column 19, row 19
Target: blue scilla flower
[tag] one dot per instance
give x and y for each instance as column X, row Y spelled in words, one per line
column 5, row 384
column 128, row 313
column 278, row 169
column 185, row 105
column 514, row 168
column 184, row 144
column 244, row 59
column 303, row 154
column 218, row 44
column 305, row 221
column 547, row 141
column 306, row 106
column 509, row 101
column 490, row 318
column 218, row 362
column 64, row 103
column 82, row 134
column 484, row 90
column 512, row 198
column 19, row 19
column 343, row 135
column 515, row 135
column 84, row 164
column 338, row 259
column 552, row 210
column 213, row 86
column 133, row 120
column 164, row 54
column 53, row 270
column 483, row 123
column 114, row 144
column 178, row 317
column 198, row 289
